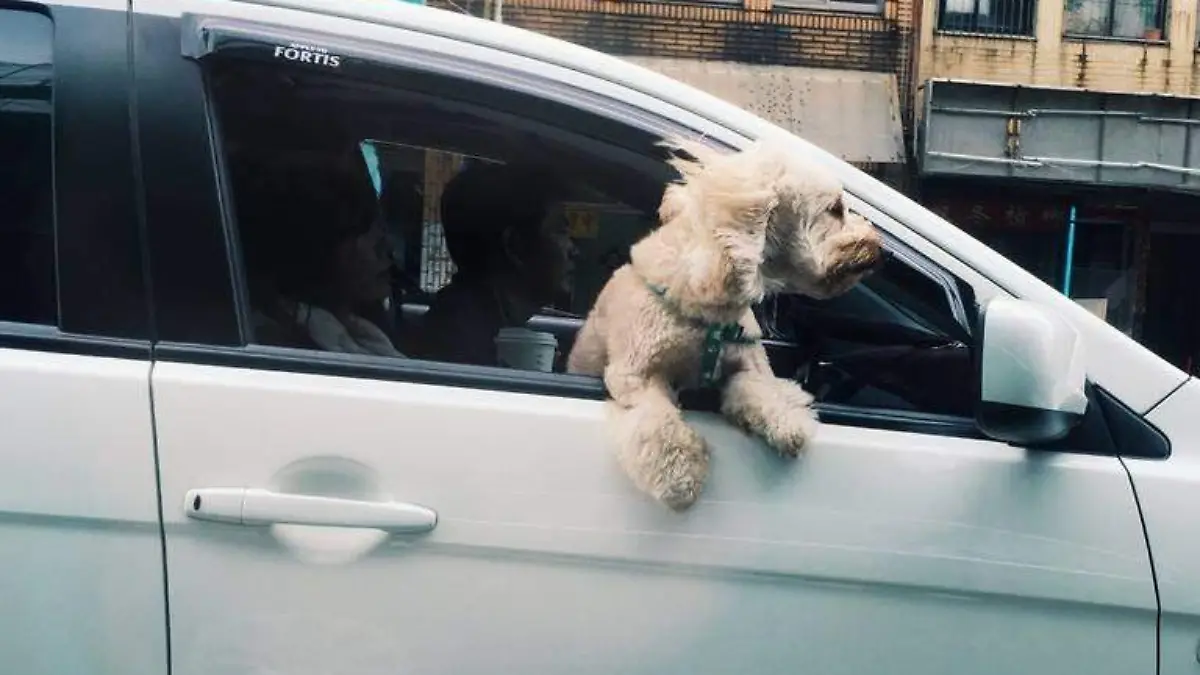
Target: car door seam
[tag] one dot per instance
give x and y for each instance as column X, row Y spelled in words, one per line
column 1153, row 571
column 152, row 316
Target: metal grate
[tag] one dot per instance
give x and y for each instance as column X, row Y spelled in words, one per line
column 436, row 266
column 1125, row 19
column 989, row 17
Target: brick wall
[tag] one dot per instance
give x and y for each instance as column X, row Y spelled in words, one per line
column 752, row 33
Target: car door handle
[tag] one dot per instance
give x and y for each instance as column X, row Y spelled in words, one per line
column 254, row 506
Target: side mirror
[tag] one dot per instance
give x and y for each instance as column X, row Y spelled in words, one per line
column 1031, row 379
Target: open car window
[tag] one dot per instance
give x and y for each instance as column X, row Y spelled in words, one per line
column 900, row 341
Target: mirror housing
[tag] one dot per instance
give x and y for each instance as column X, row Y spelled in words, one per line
column 1031, row 374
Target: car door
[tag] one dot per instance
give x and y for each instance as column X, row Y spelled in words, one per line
column 474, row 519
column 81, row 565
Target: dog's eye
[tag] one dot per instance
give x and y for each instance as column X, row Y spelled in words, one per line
column 838, row 209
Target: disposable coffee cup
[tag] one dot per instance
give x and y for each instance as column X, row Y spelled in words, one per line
column 526, row 349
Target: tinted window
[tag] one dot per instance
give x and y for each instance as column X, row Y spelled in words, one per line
column 353, row 250
column 27, row 277
column 893, row 342
column 323, row 169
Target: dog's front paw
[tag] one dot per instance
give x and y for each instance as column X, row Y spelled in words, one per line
column 673, row 464
column 664, row 456
column 776, row 410
column 681, row 475
column 676, row 465
column 792, row 431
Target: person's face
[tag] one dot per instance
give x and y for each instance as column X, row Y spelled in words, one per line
column 362, row 267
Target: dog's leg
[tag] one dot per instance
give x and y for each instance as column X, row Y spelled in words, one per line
column 588, row 354
column 663, row 455
column 774, row 409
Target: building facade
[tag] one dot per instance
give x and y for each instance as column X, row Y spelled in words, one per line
column 834, row 71
column 1064, row 134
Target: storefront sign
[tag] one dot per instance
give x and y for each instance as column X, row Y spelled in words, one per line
column 1023, row 214
column 983, row 215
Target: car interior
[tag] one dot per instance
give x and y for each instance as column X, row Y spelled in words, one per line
column 897, row 341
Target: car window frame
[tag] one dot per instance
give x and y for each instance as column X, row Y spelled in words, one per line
column 102, row 301
column 242, row 354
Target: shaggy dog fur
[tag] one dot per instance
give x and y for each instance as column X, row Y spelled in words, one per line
column 736, row 226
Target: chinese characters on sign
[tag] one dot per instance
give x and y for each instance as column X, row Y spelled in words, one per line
column 1020, row 214
column 979, row 215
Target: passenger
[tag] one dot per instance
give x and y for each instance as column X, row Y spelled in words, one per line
column 507, row 236
column 317, row 253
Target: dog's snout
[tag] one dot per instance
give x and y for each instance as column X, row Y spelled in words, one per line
column 866, row 254
column 855, row 257
column 876, row 255
column 867, row 264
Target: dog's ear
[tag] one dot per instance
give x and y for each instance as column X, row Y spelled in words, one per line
column 734, row 190
column 709, row 248
column 687, row 264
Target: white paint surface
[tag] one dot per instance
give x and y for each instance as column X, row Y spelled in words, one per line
column 880, row 551
column 81, row 574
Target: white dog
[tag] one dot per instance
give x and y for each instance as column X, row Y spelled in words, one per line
column 736, row 227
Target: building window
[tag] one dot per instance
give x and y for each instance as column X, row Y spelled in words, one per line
column 1129, row 19
column 871, row 6
column 991, row 17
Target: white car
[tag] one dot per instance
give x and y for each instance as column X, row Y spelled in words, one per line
column 175, row 498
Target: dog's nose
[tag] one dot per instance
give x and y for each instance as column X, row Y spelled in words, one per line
column 866, row 265
column 872, row 256
column 883, row 258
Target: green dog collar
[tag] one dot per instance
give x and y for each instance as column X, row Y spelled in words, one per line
column 716, row 336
